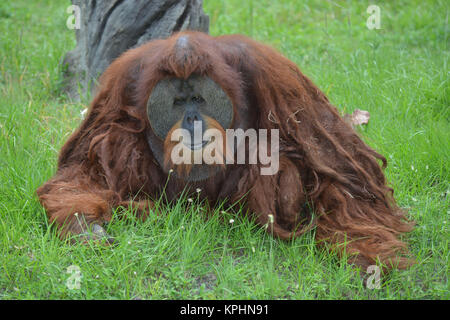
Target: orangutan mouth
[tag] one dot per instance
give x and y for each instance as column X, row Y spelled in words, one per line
column 196, row 146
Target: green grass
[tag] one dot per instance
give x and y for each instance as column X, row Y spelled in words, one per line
column 399, row 73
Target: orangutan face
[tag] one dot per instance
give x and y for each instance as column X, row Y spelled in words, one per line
column 189, row 116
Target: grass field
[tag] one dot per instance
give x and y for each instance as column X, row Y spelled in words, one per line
column 399, row 73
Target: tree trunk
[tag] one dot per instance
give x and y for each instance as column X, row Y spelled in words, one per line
column 110, row 27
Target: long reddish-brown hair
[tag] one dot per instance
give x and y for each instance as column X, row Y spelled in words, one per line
column 328, row 178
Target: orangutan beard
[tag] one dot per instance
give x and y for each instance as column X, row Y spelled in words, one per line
column 207, row 150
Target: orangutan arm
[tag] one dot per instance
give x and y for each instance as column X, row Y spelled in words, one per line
column 76, row 204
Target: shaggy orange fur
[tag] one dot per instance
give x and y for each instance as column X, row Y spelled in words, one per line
column 329, row 179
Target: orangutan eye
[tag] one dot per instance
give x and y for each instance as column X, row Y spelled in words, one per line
column 178, row 101
column 197, row 99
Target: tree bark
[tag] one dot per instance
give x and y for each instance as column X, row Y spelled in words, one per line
column 110, row 27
